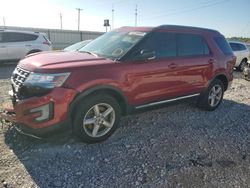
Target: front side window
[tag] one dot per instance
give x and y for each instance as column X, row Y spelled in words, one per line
column 162, row 44
column 114, row 44
column 191, row 45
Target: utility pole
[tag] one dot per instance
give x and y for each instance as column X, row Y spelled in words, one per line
column 61, row 20
column 79, row 11
column 4, row 22
column 113, row 16
column 136, row 15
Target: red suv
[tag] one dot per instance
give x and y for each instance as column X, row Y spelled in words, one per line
column 126, row 69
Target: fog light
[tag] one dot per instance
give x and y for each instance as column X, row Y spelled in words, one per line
column 46, row 112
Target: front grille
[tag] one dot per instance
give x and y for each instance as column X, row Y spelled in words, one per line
column 18, row 77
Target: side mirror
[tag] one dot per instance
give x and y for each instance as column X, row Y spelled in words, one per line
column 147, row 54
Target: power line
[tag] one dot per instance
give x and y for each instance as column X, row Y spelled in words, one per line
column 187, row 10
column 79, row 11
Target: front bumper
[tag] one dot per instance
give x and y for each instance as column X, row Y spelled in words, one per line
column 21, row 114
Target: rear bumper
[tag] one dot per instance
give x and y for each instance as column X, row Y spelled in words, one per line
column 32, row 121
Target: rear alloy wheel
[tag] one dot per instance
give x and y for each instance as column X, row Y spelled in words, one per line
column 213, row 96
column 96, row 118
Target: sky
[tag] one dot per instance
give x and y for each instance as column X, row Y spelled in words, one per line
column 230, row 17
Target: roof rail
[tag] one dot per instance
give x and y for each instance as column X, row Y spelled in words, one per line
column 186, row 27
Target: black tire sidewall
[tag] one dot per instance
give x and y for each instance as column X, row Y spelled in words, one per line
column 203, row 100
column 83, row 107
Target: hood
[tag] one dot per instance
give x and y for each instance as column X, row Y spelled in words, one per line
column 60, row 60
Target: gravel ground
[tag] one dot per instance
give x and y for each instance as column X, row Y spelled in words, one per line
column 175, row 146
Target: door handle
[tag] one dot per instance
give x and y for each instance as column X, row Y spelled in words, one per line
column 173, row 66
column 28, row 45
column 211, row 61
column 2, row 46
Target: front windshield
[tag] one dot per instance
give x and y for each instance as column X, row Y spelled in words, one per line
column 114, row 44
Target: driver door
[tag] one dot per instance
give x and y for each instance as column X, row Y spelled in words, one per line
column 155, row 78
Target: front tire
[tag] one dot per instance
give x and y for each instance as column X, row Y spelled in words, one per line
column 213, row 96
column 96, row 118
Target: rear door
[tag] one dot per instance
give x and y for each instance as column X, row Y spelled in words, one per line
column 194, row 62
column 3, row 48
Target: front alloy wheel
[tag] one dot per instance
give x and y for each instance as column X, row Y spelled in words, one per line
column 99, row 120
column 96, row 118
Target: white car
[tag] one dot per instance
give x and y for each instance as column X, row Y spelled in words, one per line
column 241, row 52
column 15, row 45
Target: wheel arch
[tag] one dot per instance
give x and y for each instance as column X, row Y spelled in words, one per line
column 244, row 59
column 107, row 89
column 222, row 77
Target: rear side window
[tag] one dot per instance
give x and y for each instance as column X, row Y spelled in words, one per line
column 234, row 46
column 223, row 45
column 18, row 37
column 191, row 44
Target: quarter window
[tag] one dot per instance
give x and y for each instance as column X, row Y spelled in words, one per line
column 223, row 45
column 191, row 45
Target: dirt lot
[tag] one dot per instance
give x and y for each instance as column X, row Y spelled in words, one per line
column 175, row 146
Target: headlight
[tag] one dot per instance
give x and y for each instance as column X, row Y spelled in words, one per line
column 54, row 80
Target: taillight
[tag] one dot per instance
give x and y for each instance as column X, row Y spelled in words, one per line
column 47, row 43
column 231, row 64
column 234, row 59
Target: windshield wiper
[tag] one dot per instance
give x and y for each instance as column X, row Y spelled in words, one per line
column 91, row 53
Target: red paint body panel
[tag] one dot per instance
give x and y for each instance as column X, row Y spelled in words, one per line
column 61, row 99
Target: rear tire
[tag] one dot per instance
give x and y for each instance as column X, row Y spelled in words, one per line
column 96, row 118
column 212, row 97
